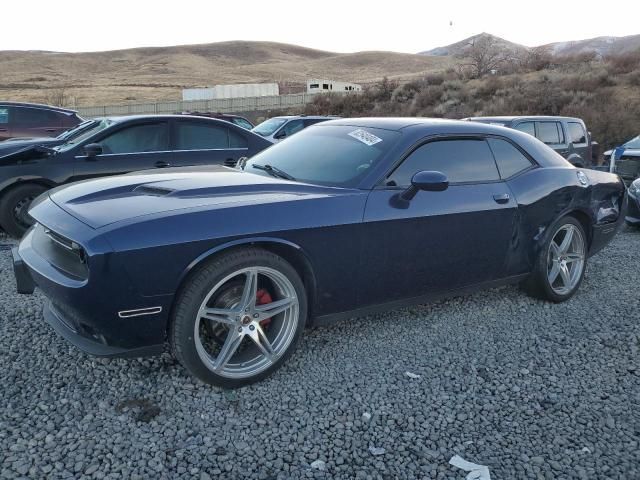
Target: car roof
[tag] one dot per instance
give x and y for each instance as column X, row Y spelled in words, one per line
column 511, row 118
column 38, row 105
column 312, row 117
column 399, row 123
column 126, row 118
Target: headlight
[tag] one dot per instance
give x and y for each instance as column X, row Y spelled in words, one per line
column 634, row 189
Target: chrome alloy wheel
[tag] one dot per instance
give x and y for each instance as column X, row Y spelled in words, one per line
column 238, row 337
column 565, row 259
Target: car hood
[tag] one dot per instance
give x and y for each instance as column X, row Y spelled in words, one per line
column 101, row 202
column 632, row 152
column 40, row 140
column 12, row 154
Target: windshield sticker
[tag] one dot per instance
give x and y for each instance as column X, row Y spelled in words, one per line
column 365, row 137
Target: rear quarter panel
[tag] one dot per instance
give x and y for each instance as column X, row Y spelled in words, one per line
column 546, row 194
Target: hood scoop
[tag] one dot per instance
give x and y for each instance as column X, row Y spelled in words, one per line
column 153, row 190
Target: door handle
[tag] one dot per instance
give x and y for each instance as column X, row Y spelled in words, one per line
column 50, row 129
column 501, row 198
column 162, row 164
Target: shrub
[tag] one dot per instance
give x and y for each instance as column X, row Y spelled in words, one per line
column 623, row 63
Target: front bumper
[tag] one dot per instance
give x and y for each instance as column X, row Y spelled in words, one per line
column 91, row 313
column 24, row 282
column 65, row 328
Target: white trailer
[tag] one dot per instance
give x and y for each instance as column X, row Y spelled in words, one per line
column 316, row 85
column 238, row 90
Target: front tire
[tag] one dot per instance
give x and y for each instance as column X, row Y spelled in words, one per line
column 560, row 266
column 238, row 318
column 14, row 205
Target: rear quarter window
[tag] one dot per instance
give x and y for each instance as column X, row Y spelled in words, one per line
column 510, row 160
column 4, row 115
column 577, row 135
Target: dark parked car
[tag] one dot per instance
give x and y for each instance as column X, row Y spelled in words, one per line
column 33, row 120
column 117, row 145
column 279, row 128
column 633, row 210
column 628, row 165
column 566, row 135
column 345, row 218
column 18, row 143
column 237, row 119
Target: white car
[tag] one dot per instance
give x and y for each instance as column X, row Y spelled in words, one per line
column 279, row 128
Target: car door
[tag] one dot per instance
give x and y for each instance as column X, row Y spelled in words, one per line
column 207, row 143
column 126, row 149
column 35, row 122
column 438, row 241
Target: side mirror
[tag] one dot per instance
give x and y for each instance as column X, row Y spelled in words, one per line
column 241, row 163
column 428, row 181
column 92, row 150
column 280, row 135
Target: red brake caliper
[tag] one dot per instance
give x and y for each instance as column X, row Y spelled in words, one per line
column 263, row 297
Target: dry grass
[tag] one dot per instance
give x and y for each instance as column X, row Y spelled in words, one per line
column 152, row 74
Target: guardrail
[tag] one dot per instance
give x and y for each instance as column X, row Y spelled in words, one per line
column 222, row 105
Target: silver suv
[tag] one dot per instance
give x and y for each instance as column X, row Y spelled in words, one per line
column 566, row 135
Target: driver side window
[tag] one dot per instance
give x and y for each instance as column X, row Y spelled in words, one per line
column 461, row 160
column 293, row 127
column 151, row 137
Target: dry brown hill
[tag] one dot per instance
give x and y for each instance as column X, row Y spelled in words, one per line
column 150, row 74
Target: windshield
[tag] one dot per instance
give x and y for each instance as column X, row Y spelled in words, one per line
column 633, row 143
column 68, row 134
column 326, row 155
column 72, row 142
column 267, row 127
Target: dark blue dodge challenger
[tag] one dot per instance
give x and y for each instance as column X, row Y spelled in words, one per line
column 345, row 218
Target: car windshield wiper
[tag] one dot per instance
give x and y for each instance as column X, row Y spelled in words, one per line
column 273, row 171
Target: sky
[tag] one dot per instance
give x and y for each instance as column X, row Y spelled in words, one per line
column 340, row 26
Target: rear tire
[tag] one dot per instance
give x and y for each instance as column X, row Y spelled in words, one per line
column 14, row 205
column 559, row 268
column 238, row 318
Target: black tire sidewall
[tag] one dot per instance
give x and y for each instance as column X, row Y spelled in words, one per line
column 541, row 277
column 199, row 284
column 9, row 200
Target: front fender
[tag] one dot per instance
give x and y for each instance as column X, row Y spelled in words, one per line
column 237, row 243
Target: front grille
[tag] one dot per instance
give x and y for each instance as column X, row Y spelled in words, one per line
column 230, row 162
column 61, row 252
column 628, row 168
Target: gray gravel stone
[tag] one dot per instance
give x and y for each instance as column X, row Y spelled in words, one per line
column 530, row 389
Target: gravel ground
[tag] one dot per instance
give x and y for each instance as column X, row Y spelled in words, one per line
column 530, row 389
